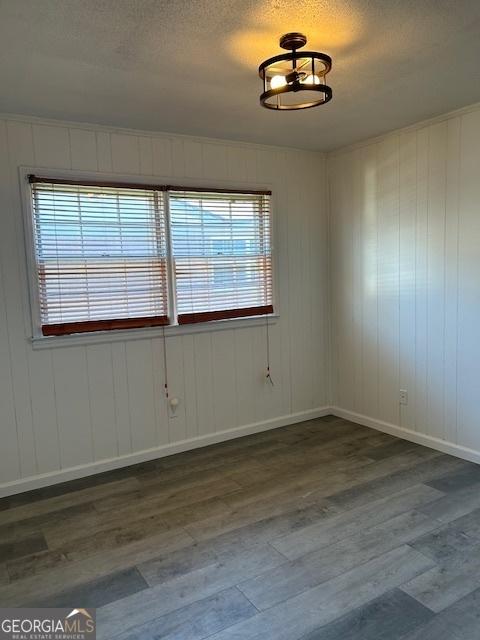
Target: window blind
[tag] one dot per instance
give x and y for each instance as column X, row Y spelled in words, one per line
column 101, row 256
column 221, row 254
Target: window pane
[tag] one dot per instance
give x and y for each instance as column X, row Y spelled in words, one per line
column 100, row 252
column 222, row 255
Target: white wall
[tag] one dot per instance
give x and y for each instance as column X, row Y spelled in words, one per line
column 400, row 298
column 405, row 282
column 65, row 409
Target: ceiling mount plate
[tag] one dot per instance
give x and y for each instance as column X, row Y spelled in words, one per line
column 293, row 41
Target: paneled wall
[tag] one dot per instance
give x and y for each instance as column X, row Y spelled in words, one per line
column 69, row 410
column 405, row 282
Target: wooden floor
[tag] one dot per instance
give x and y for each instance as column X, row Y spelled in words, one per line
column 321, row 530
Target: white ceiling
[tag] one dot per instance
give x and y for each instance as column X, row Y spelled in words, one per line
column 190, row 66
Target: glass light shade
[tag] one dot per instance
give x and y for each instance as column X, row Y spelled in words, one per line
column 277, row 81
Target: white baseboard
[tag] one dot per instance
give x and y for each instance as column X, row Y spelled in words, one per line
column 72, row 473
column 407, row 434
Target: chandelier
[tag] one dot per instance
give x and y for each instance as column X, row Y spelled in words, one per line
column 295, row 80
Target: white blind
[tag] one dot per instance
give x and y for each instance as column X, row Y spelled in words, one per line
column 222, row 254
column 101, row 256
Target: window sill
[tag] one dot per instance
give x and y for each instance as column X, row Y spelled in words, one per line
column 101, row 337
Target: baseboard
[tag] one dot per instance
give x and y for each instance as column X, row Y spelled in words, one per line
column 407, row 434
column 72, row 473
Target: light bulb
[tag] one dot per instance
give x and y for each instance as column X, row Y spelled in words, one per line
column 312, row 79
column 277, row 81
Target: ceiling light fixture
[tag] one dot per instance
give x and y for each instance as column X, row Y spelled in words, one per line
column 295, row 80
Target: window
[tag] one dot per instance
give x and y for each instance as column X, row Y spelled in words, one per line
column 102, row 255
column 221, row 254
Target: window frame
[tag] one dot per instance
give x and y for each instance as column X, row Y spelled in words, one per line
column 39, row 340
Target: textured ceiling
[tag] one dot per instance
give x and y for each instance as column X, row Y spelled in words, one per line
column 190, row 66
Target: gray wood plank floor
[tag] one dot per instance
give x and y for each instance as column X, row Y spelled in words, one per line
column 323, row 530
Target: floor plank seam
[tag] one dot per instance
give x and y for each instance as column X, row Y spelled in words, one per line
column 238, row 587
column 181, row 535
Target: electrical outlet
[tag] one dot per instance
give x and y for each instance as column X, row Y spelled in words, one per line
column 403, row 396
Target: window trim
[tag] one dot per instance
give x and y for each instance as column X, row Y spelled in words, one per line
column 146, row 330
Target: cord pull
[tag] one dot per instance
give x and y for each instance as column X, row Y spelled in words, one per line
column 269, row 377
column 165, row 368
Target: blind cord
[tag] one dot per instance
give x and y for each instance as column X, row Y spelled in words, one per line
column 165, row 368
column 268, row 376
